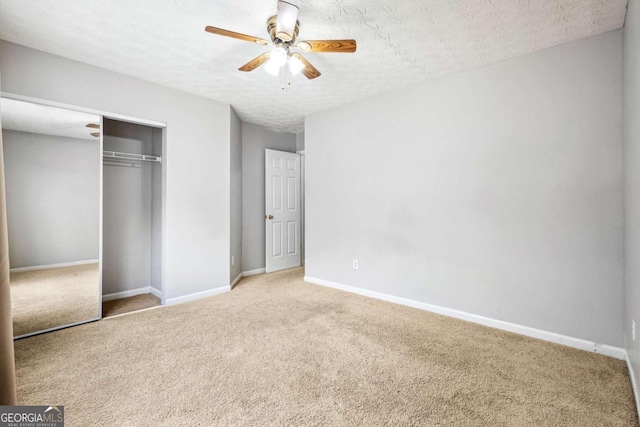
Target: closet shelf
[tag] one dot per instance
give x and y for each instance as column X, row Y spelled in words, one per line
column 115, row 155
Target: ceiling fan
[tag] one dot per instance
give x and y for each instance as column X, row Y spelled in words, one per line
column 283, row 29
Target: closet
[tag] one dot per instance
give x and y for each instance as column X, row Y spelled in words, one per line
column 132, row 214
column 85, row 202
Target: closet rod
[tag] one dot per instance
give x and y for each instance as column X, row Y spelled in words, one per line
column 115, row 155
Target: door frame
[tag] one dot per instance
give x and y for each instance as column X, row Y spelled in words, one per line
column 300, row 225
column 302, row 207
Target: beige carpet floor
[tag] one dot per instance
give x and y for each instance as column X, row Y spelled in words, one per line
column 127, row 305
column 278, row 351
column 43, row 299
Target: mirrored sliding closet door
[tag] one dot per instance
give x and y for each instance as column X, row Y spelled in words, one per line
column 52, row 160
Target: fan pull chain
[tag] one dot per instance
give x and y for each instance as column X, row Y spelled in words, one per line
column 285, row 80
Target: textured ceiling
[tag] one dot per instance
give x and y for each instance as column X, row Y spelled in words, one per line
column 35, row 118
column 399, row 43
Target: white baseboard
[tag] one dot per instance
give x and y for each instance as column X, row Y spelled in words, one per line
column 198, row 295
column 632, row 377
column 236, row 280
column 155, row 292
column 607, row 350
column 64, row 264
column 127, row 294
column 253, row 272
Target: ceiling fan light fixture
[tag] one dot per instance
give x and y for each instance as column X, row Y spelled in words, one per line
column 295, row 66
column 286, row 23
column 272, row 68
column 277, row 59
column 279, row 56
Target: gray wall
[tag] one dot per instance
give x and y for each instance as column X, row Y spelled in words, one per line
column 236, row 196
column 631, row 61
column 197, row 158
column 53, row 195
column 496, row 191
column 300, row 141
column 127, row 225
column 255, row 139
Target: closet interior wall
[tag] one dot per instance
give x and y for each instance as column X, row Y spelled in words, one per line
column 132, row 232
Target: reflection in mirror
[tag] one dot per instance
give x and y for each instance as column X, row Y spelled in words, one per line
column 52, row 160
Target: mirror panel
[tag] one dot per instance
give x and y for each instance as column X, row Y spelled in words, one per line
column 52, row 159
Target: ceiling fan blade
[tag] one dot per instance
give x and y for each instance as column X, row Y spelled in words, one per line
column 255, row 63
column 286, row 21
column 338, row 46
column 309, row 70
column 234, row 35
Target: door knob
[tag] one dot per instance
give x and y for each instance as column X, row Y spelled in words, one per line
column 269, row 216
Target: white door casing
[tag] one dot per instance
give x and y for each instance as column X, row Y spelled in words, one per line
column 282, row 210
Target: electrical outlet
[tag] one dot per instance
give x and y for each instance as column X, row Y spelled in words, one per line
column 355, row 264
column 233, row 260
column 633, row 329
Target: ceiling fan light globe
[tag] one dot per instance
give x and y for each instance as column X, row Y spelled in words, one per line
column 272, row 68
column 286, row 23
column 295, row 65
column 279, row 56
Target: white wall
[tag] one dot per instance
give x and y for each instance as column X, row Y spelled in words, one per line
column 496, row 191
column 236, row 196
column 53, row 195
column 632, row 180
column 197, row 158
column 255, row 139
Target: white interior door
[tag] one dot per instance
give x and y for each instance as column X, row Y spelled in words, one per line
column 282, row 210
